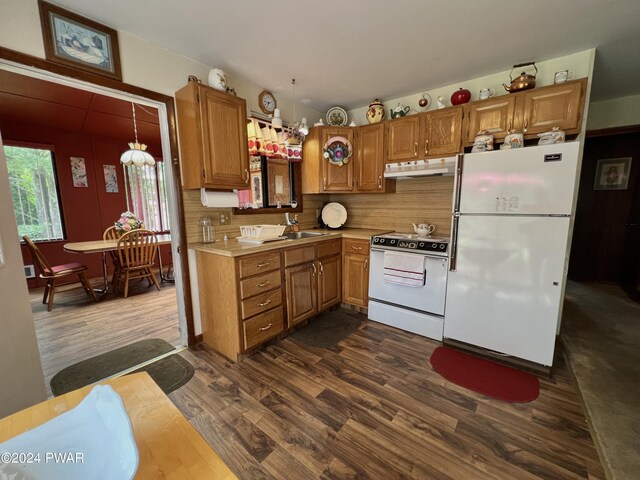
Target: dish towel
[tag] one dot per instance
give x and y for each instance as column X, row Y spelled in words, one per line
column 404, row 269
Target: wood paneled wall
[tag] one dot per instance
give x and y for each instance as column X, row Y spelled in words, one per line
column 194, row 211
column 417, row 200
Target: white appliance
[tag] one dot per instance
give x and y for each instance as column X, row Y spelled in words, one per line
column 415, row 309
column 509, row 249
column 421, row 168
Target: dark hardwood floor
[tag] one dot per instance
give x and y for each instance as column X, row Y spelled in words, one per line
column 373, row 408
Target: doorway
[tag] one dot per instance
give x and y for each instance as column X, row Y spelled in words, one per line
column 162, row 150
column 606, row 239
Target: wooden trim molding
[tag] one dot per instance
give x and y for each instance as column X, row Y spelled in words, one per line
column 46, row 65
column 604, row 132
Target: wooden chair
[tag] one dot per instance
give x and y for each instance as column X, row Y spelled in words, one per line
column 137, row 252
column 112, row 234
column 53, row 273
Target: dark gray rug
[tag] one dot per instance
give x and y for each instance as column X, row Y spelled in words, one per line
column 102, row 366
column 328, row 330
column 170, row 373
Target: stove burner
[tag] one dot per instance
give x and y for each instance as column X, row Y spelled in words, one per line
column 411, row 242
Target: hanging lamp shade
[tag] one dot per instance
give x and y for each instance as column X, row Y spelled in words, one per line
column 137, row 154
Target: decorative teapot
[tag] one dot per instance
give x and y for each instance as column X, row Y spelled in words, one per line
column 423, row 229
column 399, row 111
column 522, row 82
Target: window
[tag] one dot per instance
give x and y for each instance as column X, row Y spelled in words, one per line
column 273, row 185
column 34, row 191
column 147, row 196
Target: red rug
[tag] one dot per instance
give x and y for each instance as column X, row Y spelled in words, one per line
column 484, row 376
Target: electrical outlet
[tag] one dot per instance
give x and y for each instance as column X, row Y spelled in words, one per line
column 225, row 216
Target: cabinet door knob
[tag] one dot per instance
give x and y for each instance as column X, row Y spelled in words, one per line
column 426, row 146
column 246, row 176
column 204, row 175
column 356, row 248
column 324, row 183
column 260, row 265
column 379, row 181
column 366, row 264
column 264, row 284
column 415, row 149
column 313, row 269
column 262, row 329
column 264, row 304
column 526, row 124
column 321, row 268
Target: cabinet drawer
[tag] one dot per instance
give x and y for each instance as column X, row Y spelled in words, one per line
column 263, row 327
column 263, row 262
column 328, row 248
column 260, row 284
column 261, row 303
column 357, row 247
column 294, row 256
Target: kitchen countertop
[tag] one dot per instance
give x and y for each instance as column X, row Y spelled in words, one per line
column 232, row 248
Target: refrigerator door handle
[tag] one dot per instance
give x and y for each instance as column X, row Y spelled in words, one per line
column 453, row 257
column 458, row 184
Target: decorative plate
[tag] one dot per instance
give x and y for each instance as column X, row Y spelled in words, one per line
column 337, row 117
column 334, row 215
column 337, row 151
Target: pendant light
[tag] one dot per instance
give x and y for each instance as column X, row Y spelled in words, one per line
column 137, row 154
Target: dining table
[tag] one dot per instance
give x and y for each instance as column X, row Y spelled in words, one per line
column 111, row 245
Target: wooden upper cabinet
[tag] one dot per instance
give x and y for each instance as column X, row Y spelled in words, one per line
column 494, row 115
column 213, row 138
column 442, row 132
column 369, row 158
column 403, row 137
column 318, row 175
column 554, row 106
column 337, row 178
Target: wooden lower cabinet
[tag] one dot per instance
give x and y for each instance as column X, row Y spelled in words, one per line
column 242, row 300
column 301, row 289
column 356, row 280
column 355, row 272
column 329, row 282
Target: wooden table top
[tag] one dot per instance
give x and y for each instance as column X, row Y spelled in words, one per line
column 96, row 246
column 168, row 445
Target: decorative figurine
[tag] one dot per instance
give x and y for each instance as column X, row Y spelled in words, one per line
column 425, row 102
column 440, row 102
column 218, row 79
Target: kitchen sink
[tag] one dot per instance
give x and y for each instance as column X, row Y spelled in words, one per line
column 299, row 235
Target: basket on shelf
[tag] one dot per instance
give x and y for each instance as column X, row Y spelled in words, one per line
column 261, row 232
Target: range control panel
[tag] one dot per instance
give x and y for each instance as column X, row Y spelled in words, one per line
column 421, row 244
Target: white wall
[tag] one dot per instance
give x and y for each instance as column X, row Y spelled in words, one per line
column 579, row 63
column 21, row 378
column 615, row 112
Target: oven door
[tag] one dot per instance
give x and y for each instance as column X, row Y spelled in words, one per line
column 429, row 298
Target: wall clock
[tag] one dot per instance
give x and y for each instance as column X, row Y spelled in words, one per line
column 267, row 102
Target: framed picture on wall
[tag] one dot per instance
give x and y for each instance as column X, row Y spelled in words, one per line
column 76, row 41
column 612, row 174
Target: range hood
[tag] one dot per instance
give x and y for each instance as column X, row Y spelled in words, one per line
column 421, row 168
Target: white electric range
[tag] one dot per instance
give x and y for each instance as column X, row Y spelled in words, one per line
column 418, row 309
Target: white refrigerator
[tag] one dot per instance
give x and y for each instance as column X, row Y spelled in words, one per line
column 512, row 216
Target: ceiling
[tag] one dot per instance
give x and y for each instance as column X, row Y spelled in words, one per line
column 348, row 52
column 31, row 101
